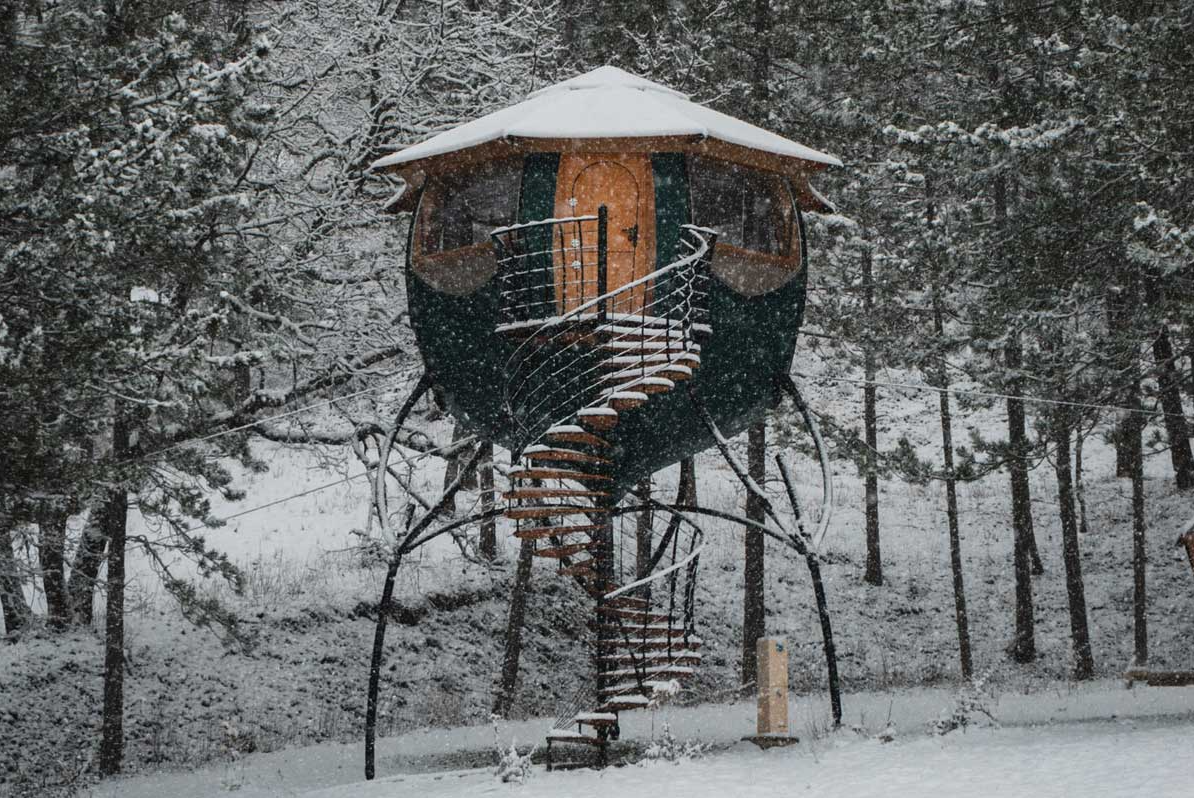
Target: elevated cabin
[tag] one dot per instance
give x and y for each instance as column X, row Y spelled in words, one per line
column 611, row 144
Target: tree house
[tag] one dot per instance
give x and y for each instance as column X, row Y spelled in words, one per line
column 573, row 259
column 657, row 162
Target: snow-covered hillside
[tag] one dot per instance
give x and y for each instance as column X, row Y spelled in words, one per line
column 309, row 598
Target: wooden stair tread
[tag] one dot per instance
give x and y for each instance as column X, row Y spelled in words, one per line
column 563, row 455
column 653, row 670
column 569, row 736
column 576, row 435
column 585, row 568
column 558, row 473
column 627, row 601
column 626, row 362
column 650, row 644
column 633, row 631
column 553, row 493
column 559, row 552
column 601, row 423
column 677, row 658
column 552, row 511
column 623, row 703
column 623, row 403
column 634, row 617
column 540, row 532
column 598, row 722
column 631, row 688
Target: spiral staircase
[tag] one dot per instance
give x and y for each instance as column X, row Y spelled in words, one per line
column 586, row 355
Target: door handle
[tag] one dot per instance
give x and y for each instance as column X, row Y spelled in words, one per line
column 631, row 234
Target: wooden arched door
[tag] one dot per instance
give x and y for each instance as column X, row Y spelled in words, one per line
column 623, row 183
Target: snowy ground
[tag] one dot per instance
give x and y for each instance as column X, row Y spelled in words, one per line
column 1097, row 740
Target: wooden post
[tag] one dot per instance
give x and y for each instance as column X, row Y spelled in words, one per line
column 772, row 656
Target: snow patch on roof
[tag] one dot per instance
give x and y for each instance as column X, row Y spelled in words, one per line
column 605, row 103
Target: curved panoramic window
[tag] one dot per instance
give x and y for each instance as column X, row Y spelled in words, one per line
column 758, row 246
column 457, row 212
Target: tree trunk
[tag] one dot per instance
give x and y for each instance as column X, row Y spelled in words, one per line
column 111, row 753
column 488, row 543
column 452, row 467
column 80, row 588
column 1075, row 590
column 12, row 592
column 1176, row 428
column 375, row 661
column 51, row 555
column 504, row 699
column 1017, row 434
column 1139, row 547
column 760, row 84
column 753, row 601
column 961, row 618
column 1122, row 435
column 1024, row 644
column 874, row 559
column 1080, row 482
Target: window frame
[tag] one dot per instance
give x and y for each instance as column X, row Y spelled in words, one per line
column 469, row 252
column 792, row 260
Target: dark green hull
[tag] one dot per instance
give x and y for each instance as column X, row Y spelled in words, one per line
column 753, row 339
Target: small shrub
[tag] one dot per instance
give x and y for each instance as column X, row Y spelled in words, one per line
column 512, row 767
column 668, row 749
column 970, row 705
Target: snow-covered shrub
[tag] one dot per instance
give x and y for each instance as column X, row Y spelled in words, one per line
column 668, row 749
column 970, row 705
column 511, row 765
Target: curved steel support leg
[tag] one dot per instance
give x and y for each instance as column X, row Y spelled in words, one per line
column 796, row 538
column 789, row 385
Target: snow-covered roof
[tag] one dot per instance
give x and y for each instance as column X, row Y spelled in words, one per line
column 605, row 103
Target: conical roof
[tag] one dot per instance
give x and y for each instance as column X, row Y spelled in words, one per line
column 610, row 103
